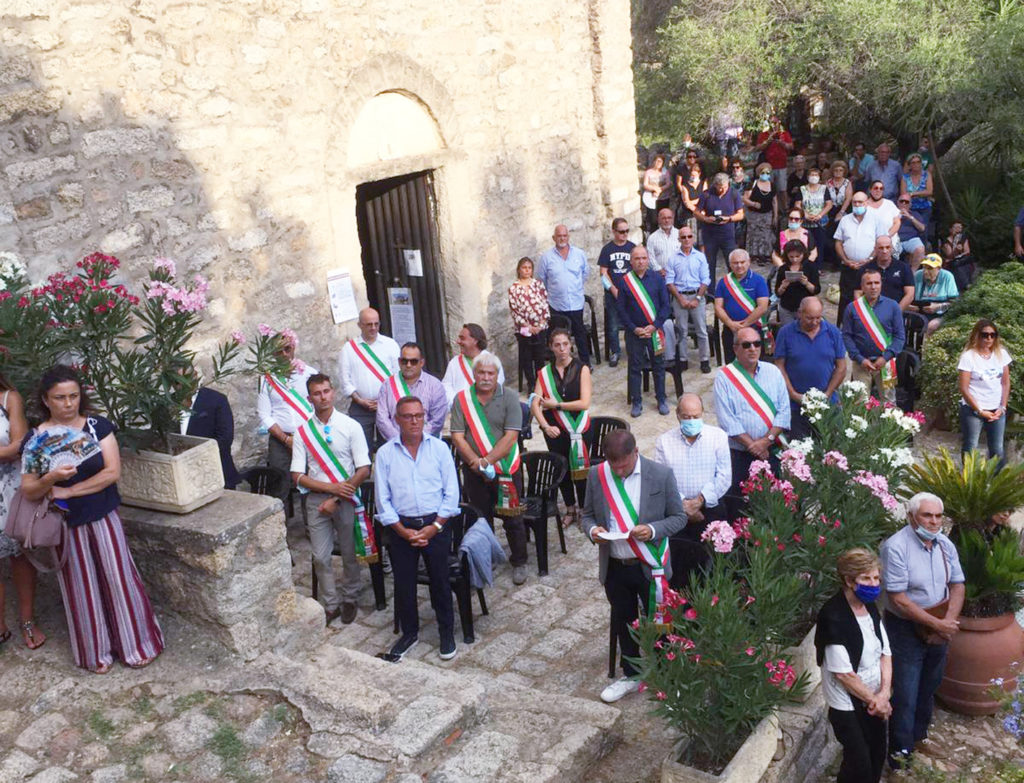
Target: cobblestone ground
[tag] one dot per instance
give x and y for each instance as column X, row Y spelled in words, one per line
column 58, row 723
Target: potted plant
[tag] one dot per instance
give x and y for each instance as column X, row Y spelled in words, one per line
column 135, row 357
column 976, row 498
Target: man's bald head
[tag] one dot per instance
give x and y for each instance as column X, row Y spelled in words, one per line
column 689, row 405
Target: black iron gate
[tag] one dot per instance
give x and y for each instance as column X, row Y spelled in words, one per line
column 394, row 215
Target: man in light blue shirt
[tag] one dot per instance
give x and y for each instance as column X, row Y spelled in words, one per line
column 563, row 271
column 417, row 491
column 889, row 171
column 750, row 436
column 688, row 277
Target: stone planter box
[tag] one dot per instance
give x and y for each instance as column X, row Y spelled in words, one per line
column 803, row 658
column 178, row 483
column 749, row 763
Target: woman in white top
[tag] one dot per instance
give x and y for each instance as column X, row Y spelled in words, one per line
column 984, row 389
column 856, row 667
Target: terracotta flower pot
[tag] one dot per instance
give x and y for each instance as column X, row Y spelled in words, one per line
column 982, row 651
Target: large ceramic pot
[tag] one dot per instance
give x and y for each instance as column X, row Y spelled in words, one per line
column 982, row 651
column 180, row 482
column 804, row 659
column 749, row 763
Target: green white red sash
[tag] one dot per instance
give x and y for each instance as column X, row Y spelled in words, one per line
column 756, row 397
column 371, row 360
column 573, row 423
column 741, row 297
column 624, row 518
column 318, row 448
column 296, row 401
column 398, row 387
column 467, row 368
column 878, row 336
column 483, row 438
column 643, row 298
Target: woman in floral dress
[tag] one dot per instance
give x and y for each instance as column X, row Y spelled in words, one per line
column 528, row 302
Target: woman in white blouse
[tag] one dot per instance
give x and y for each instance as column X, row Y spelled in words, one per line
column 984, row 389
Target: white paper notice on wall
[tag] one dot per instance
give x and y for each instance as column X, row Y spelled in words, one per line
column 413, row 262
column 343, row 296
column 403, row 315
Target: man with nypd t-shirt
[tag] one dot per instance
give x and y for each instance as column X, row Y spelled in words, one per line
column 614, row 265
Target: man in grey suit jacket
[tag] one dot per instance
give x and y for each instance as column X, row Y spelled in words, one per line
column 651, row 489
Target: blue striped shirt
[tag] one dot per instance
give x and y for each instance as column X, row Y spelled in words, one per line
column 736, row 415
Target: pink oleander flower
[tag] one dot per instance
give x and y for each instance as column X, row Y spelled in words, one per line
column 793, row 462
column 696, row 658
column 836, row 459
column 780, row 673
column 690, row 614
column 635, row 624
column 741, row 527
column 642, row 688
column 873, row 402
column 238, row 336
column 298, row 365
column 750, row 600
column 720, row 534
column 758, row 467
column 797, row 538
column 714, row 600
column 879, row 487
column 670, row 656
column 265, row 331
column 821, row 540
column 750, row 651
column 166, row 264
column 917, row 416
column 660, row 696
column 674, row 599
column 289, row 337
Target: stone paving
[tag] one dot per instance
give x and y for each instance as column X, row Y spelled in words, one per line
column 522, row 699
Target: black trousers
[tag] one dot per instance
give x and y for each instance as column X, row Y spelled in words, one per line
column 863, row 738
column 533, row 354
column 405, row 563
column 367, row 419
column 628, row 589
column 280, row 456
column 849, row 281
column 579, row 332
column 573, row 492
column 483, row 495
column 689, row 554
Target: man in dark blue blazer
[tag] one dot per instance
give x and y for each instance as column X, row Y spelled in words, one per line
column 211, row 417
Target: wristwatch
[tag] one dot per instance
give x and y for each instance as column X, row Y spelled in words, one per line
column 439, row 526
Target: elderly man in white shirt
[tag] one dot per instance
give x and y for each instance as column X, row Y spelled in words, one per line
column 663, row 244
column 364, row 365
column 282, row 407
column 698, row 454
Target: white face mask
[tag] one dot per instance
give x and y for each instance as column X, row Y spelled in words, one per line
column 813, row 179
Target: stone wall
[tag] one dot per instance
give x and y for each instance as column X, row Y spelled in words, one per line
column 222, row 134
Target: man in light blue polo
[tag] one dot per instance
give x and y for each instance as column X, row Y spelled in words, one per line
column 417, row 492
column 924, row 583
column 884, row 168
column 687, row 277
column 810, row 354
column 563, row 271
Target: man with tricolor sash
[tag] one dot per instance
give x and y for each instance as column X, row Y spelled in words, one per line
column 330, row 460
column 485, row 424
column 741, row 300
column 411, row 381
column 874, row 336
column 643, row 305
column 364, row 365
column 459, row 374
column 752, row 405
column 283, row 406
column 632, row 508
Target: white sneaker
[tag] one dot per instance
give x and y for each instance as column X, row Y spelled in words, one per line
column 621, row 687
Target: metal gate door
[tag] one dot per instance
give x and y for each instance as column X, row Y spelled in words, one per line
column 394, row 215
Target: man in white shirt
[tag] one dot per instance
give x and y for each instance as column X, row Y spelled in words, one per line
column 855, row 242
column 330, row 460
column 698, row 455
column 663, row 244
column 283, row 406
column 364, row 365
column 459, row 374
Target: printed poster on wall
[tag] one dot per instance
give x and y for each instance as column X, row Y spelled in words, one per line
column 413, row 262
column 342, row 296
column 403, row 315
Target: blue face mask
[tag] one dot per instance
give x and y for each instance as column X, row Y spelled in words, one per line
column 794, row 225
column 867, row 593
column 764, row 177
column 691, row 427
column 924, row 534
column 859, row 210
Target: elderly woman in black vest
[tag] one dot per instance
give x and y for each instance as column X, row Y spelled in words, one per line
column 856, row 667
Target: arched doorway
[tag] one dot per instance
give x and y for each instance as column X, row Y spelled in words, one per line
column 396, row 218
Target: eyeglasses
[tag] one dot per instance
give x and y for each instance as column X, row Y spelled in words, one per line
column 737, row 168
column 878, row 187
column 412, row 416
column 408, row 361
column 903, row 201
column 750, row 344
column 989, row 335
column 621, row 230
column 686, row 236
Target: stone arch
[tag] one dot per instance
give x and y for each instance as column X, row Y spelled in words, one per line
column 392, row 125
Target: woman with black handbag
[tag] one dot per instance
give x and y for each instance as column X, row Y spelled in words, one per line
column 106, row 604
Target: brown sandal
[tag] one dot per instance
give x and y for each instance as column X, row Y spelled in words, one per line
column 28, row 633
column 572, row 516
column 103, row 668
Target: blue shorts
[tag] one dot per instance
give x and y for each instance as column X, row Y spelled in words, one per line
column 912, row 244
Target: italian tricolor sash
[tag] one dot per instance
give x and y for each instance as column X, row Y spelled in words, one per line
column 483, row 438
column 741, row 297
column 467, row 368
column 880, row 337
column 643, row 298
column 317, row 447
column 371, row 360
column 624, row 517
column 754, row 395
column 398, row 387
column 574, row 424
column 296, row 401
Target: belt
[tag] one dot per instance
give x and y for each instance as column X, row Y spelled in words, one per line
column 691, row 291
column 626, row 561
column 417, row 522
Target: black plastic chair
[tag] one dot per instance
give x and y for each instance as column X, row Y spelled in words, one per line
column 526, row 430
column 458, row 573
column 544, row 472
column 265, row 480
column 908, row 365
column 376, row 569
column 915, row 325
column 602, row 425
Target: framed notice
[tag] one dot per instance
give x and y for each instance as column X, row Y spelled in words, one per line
column 342, row 296
column 403, row 315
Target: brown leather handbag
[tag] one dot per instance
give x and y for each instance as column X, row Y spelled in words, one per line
column 38, row 526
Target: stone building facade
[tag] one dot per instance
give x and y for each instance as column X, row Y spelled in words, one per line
column 248, row 139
